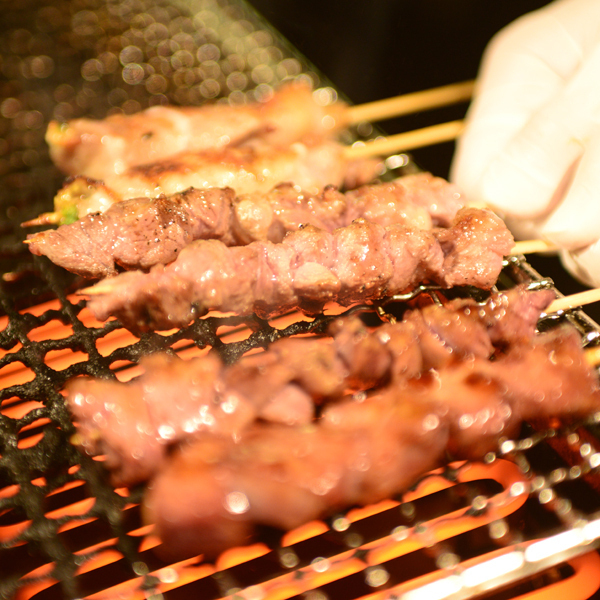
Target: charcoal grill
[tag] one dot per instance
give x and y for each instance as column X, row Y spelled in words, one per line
column 523, row 523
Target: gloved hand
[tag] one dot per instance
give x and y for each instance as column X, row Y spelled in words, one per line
column 531, row 148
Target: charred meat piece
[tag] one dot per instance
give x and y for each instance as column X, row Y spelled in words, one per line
column 309, row 268
column 141, row 232
column 102, row 148
column 176, row 400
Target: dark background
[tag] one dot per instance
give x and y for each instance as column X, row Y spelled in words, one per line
column 381, row 48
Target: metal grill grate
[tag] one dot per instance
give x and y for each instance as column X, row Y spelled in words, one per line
column 66, row 533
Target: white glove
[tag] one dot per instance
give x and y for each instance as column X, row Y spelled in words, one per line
column 531, row 148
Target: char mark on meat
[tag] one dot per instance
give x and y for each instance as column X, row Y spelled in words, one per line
column 137, row 234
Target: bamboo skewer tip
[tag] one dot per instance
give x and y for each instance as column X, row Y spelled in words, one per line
column 50, row 218
column 96, row 290
column 403, row 142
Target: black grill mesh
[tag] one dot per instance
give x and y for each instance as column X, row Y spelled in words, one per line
column 48, row 463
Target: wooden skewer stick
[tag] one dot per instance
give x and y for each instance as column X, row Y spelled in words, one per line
column 532, row 247
column 574, row 301
column 410, row 103
column 95, row 290
column 409, row 140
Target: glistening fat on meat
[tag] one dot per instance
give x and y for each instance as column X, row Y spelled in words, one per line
column 358, row 263
column 360, row 452
column 142, row 232
column 134, row 425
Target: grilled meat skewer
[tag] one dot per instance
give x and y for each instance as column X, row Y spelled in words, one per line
column 142, row 232
column 104, row 148
column 133, row 424
column 211, row 494
column 249, row 168
column 310, row 267
column 165, row 150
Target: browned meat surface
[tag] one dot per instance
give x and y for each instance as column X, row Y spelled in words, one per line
column 473, row 248
column 101, row 149
column 309, row 268
column 248, row 169
column 437, row 197
column 213, row 493
column 415, row 200
column 137, row 234
column 178, row 399
column 141, row 232
column 549, row 377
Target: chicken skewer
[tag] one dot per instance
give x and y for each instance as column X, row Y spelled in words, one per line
column 133, row 425
column 248, row 168
column 138, row 233
column 309, row 268
column 257, row 168
column 120, row 157
column 100, row 149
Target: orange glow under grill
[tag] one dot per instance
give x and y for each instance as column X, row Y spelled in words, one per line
column 72, row 503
